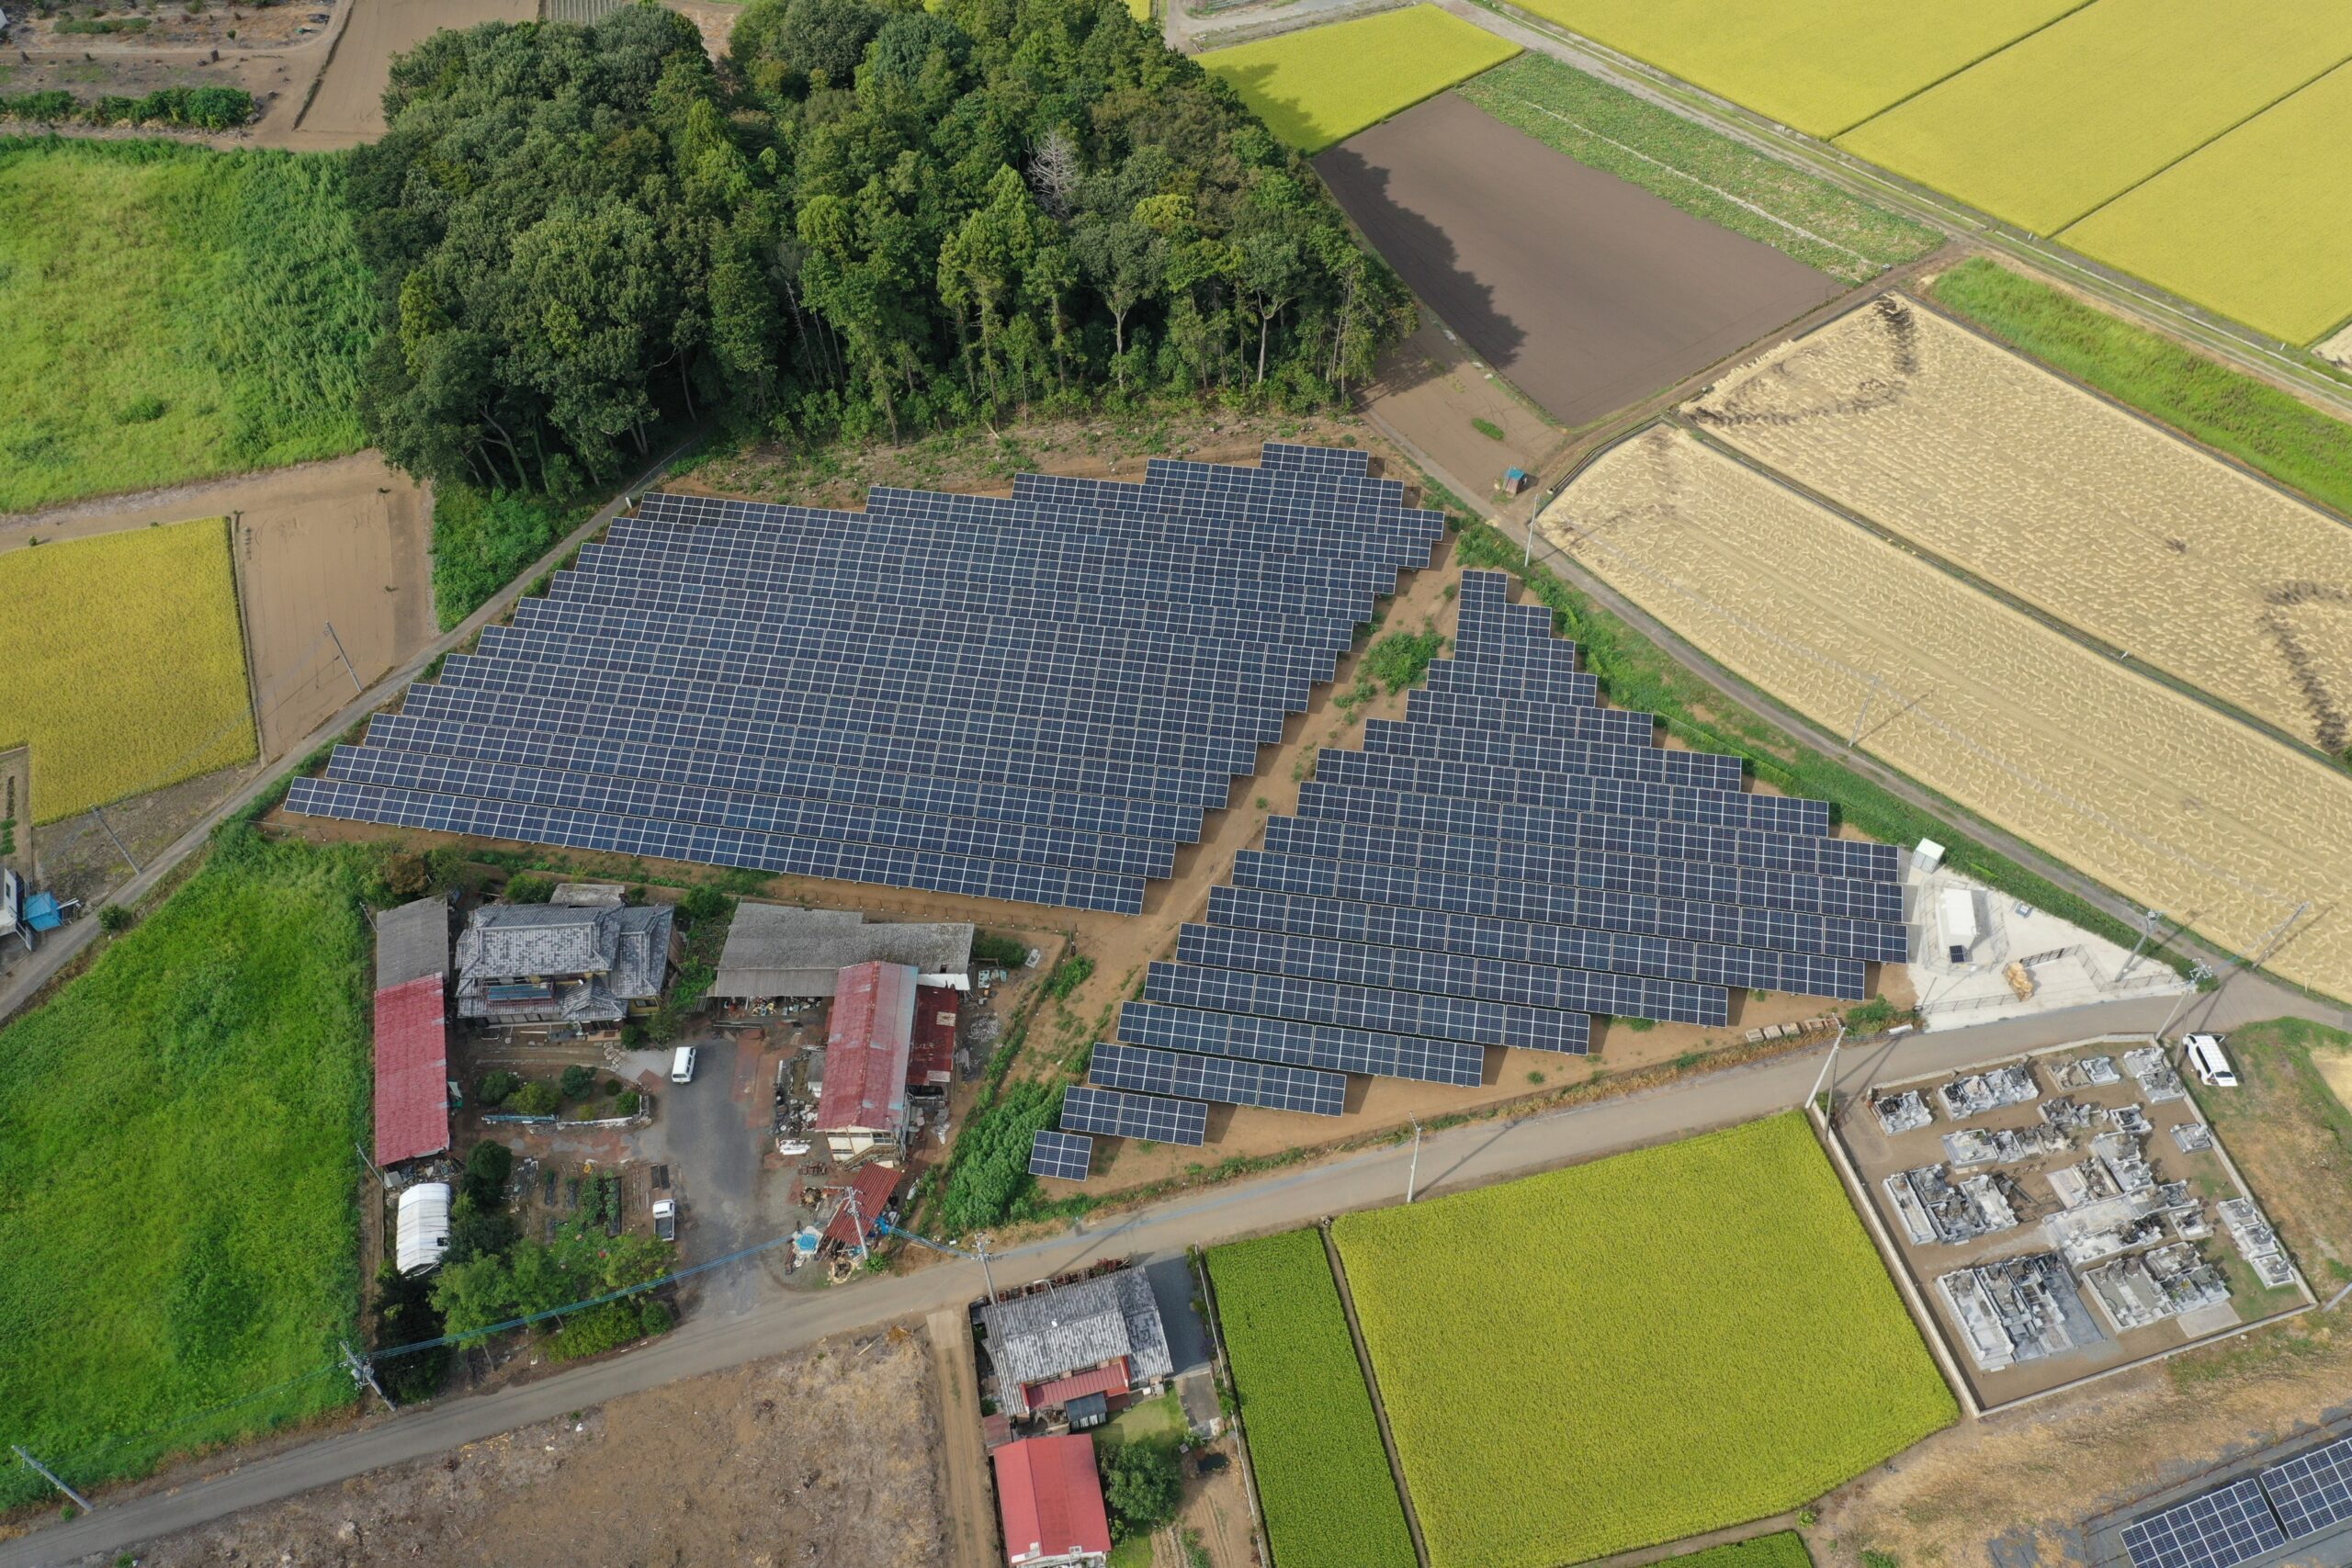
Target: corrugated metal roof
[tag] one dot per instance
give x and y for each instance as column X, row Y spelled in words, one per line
column 874, row 1183
column 933, row 1060
column 866, row 1050
column 1033, row 1339
column 1051, row 1499
column 412, row 1071
column 1109, row 1379
column 412, row 941
column 774, row 950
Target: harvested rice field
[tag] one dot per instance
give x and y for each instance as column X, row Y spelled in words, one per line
column 2150, row 791
column 1819, row 65
column 2052, row 494
column 2100, row 99
column 2249, row 225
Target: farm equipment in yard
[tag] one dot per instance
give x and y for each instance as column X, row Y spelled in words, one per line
column 21, row 916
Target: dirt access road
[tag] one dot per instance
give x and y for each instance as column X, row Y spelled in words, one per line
column 1587, row 292
column 1460, row 1158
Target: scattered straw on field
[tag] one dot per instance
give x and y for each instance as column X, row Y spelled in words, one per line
column 2150, row 791
column 2057, row 497
column 128, row 669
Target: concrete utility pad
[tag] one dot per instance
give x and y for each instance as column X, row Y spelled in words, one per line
column 1587, row 292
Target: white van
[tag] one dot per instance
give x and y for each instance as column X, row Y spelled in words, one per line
column 682, row 1065
column 2206, row 1060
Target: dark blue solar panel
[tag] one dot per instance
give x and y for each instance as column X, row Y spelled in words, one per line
column 2220, row 1530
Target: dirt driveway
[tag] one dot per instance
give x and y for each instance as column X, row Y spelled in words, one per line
column 1587, row 292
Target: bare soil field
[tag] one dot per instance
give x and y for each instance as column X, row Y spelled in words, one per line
column 823, row 1457
column 2050, row 493
column 1434, row 392
column 273, row 52
column 1588, row 292
column 2153, row 793
column 348, row 105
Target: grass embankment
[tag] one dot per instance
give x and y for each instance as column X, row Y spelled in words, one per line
column 1669, row 1362
column 1703, row 173
column 2288, row 1128
column 1635, row 672
column 2274, row 433
column 173, row 312
column 482, row 542
column 178, row 1233
column 107, row 717
column 1314, row 1441
column 1322, row 86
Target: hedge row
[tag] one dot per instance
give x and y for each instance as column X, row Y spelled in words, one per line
column 201, row 108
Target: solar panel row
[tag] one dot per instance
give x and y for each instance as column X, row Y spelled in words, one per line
column 1066, row 1156
column 1228, row 1080
column 1302, row 1045
column 1086, row 1108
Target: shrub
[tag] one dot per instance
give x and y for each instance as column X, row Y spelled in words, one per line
column 1141, row 1486
column 1068, row 976
column 991, row 1174
column 496, row 1085
column 482, row 540
column 406, row 875
column 535, row 1098
column 700, row 904
column 627, row 1103
column 996, row 951
column 529, row 887
column 653, row 1317
column 577, row 1081
column 116, row 918
column 594, row 1331
column 1488, row 428
column 489, row 1165
column 1402, row 659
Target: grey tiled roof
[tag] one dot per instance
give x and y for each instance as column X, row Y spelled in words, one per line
column 600, row 959
column 412, row 941
column 1055, row 1333
column 774, row 949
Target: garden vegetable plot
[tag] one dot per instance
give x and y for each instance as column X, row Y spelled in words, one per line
column 107, row 715
column 1319, row 86
column 1590, row 293
column 1685, row 1338
column 2025, row 480
column 2151, row 792
column 1314, row 1441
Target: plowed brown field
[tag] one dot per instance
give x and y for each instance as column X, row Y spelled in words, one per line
column 2154, row 793
column 2037, row 487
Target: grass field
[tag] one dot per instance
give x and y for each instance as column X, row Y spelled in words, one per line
column 2245, row 225
column 481, row 541
column 1313, row 1442
column 179, row 1230
column 1324, row 85
column 107, row 717
column 1980, row 703
column 1685, row 1338
column 2025, row 480
column 1705, row 174
column 2290, row 1133
column 1819, row 65
column 2100, row 99
column 174, row 313
column 2273, row 432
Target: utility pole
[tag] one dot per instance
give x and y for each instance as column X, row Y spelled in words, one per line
column 347, row 660
column 979, row 1243
column 382, row 1181
column 1813, row 1097
column 1413, row 1173
column 2149, row 920
column 50, row 1476
column 364, row 1376
column 1861, row 713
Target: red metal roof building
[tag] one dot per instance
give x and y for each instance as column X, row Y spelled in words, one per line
column 933, row 1061
column 874, row 1185
column 1109, row 1379
column 1051, row 1501
column 865, row 1101
column 411, row 1070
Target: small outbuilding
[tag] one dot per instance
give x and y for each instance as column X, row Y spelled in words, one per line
column 422, row 1232
column 775, row 951
column 1049, row 1496
column 864, row 1103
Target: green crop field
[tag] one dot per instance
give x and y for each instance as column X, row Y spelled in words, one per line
column 2092, row 105
column 1819, row 65
column 2272, row 432
column 172, row 312
column 1781, row 1548
column 1703, row 173
column 1324, row 85
column 1314, row 1441
column 2249, row 225
column 179, row 1230
column 1684, row 1338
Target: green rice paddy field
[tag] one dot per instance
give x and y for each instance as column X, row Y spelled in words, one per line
column 173, row 312
column 1685, row 1338
column 1324, row 85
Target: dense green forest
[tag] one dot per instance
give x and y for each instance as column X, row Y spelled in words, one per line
column 869, row 219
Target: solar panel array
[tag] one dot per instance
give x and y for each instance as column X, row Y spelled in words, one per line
column 1033, row 698
column 1228, row 1080
column 1064, row 1155
column 2249, row 1517
column 1092, row 1110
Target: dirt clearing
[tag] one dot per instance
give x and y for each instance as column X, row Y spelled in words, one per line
column 2052, row 494
column 1587, row 292
column 825, row 1457
column 2151, row 792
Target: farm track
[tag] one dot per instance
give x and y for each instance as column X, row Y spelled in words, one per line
column 2156, row 795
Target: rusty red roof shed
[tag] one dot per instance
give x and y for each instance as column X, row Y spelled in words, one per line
column 874, row 1183
column 866, row 1050
column 1051, row 1500
column 411, row 1070
column 933, row 1060
column 1111, row 1378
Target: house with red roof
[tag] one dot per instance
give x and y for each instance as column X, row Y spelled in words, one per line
column 1050, row 1499
column 864, row 1103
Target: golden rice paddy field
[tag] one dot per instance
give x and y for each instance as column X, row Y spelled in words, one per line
column 1819, row 65
column 2090, row 105
column 2052, row 494
column 127, row 668
column 2153, row 793
column 2252, row 225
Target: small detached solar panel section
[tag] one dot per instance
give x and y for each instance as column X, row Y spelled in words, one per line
column 2312, row 1491
column 1031, row 699
column 1063, row 1154
column 2220, row 1530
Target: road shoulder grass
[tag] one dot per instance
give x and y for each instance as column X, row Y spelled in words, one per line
column 1321, row 85
column 178, row 1239
column 1703, row 173
column 2290, row 1132
column 2272, row 432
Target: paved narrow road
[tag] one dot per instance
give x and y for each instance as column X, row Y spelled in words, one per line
column 1462, row 1158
